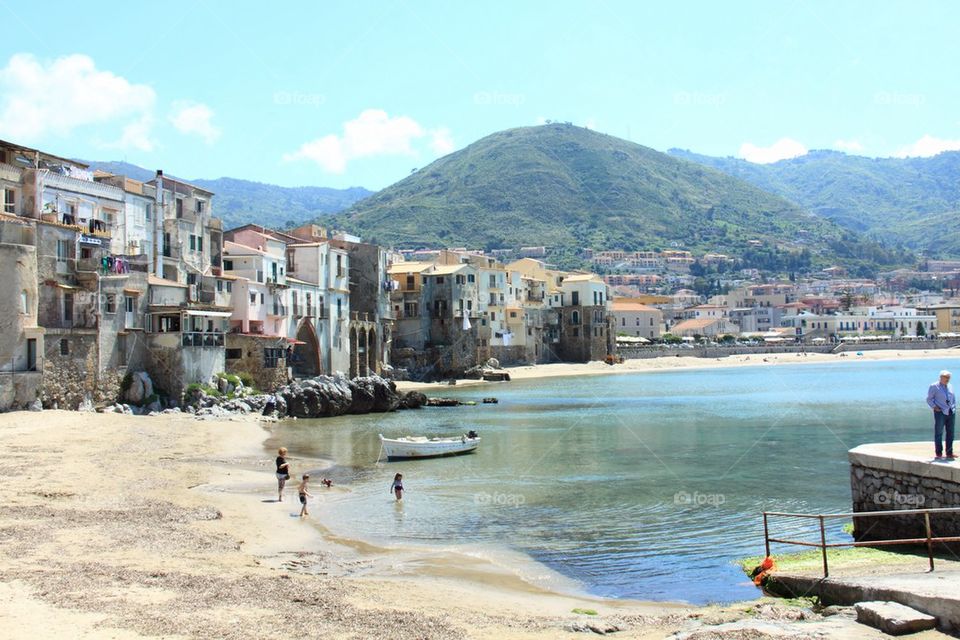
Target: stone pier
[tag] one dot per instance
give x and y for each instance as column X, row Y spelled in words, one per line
column 898, row 476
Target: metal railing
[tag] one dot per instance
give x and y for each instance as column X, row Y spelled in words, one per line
column 823, row 545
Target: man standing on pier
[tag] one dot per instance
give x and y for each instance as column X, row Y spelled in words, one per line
column 944, row 404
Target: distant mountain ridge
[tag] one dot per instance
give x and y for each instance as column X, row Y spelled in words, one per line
column 239, row 202
column 569, row 188
column 913, row 201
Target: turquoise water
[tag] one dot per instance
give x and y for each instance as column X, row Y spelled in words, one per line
column 641, row 486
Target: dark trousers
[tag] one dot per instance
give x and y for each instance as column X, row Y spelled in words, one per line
column 943, row 423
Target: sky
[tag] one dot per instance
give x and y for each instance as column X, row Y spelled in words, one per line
column 345, row 94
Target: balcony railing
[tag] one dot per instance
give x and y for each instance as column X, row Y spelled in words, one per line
column 279, row 310
column 202, row 339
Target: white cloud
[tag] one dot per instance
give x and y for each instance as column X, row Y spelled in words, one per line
column 780, row 150
column 39, row 98
column 926, row 147
column 372, row 133
column 194, row 119
column 441, row 141
column 136, row 135
column 591, row 124
column 852, row 146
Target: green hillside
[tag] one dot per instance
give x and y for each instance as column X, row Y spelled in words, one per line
column 568, row 187
column 238, row 202
column 899, row 200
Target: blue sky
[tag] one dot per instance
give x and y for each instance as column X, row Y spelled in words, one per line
column 342, row 94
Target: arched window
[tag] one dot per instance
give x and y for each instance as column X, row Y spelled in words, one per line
column 575, row 317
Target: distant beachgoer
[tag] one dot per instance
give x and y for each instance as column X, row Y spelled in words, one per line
column 941, row 399
column 397, row 487
column 283, row 472
column 304, row 494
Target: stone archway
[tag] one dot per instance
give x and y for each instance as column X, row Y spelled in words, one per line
column 306, row 356
column 373, row 352
column 354, row 352
column 363, row 351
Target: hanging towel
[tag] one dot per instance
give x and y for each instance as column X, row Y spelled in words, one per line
column 466, row 322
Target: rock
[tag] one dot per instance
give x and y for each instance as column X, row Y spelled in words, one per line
column 153, row 407
column 490, row 401
column 86, row 405
column 412, row 400
column 496, row 376
column 492, row 363
column 443, row 402
column 222, row 385
column 36, row 405
column 836, row 610
column 893, row 618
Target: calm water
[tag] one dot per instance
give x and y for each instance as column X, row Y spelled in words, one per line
column 644, row 486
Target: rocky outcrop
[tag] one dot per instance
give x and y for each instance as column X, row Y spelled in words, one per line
column 138, row 387
column 327, row 396
column 412, row 400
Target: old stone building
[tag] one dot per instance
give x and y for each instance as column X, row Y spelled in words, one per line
column 21, row 338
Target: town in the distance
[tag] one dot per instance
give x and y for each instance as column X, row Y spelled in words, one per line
column 105, row 274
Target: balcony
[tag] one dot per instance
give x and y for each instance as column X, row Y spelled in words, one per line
column 279, row 310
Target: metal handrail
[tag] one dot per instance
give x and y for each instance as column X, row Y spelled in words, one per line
column 823, row 546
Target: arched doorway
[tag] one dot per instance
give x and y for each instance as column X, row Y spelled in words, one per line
column 362, row 351
column 306, row 356
column 373, row 352
column 354, row 352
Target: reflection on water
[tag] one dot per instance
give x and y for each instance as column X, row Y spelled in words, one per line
column 644, row 486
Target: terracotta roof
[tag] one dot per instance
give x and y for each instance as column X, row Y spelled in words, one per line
column 629, row 305
column 409, row 267
column 692, row 325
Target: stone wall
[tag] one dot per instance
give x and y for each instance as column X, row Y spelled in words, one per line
column 71, row 379
column 252, row 361
column 892, row 477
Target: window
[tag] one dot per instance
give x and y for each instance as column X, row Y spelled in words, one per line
column 111, row 303
column 129, row 303
column 68, row 307
column 575, row 317
column 149, row 210
column 410, row 309
column 219, row 286
column 234, row 354
column 193, row 242
column 199, row 243
column 471, row 278
column 228, row 265
column 259, row 276
column 63, row 250
column 9, row 201
column 493, row 280
column 261, row 298
column 576, row 332
column 253, row 298
column 575, row 298
column 64, row 347
column 179, row 207
column 270, row 357
column 85, row 253
column 410, row 281
column 229, row 287
column 493, row 316
column 24, row 302
column 623, row 322
column 439, row 279
column 200, row 204
column 191, row 278
column 513, row 314
column 339, row 308
column 122, row 350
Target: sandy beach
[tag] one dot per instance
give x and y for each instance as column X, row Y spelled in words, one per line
column 679, row 361
column 116, row 526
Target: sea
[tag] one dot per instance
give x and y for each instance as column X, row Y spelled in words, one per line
column 645, row 486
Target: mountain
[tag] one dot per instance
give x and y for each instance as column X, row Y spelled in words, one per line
column 899, row 200
column 568, row 187
column 238, row 202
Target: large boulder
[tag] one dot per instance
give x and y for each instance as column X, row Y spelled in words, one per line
column 412, row 400
column 141, row 388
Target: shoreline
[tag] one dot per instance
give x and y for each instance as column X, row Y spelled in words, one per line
column 189, row 514
column 683, row 363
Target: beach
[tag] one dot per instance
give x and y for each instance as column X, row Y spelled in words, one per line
column 681, row 362
column 115, row 526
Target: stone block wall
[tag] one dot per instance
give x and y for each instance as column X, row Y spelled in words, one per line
column 879, row 483
column 251, row 361
column 70, row 379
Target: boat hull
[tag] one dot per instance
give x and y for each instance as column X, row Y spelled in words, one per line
column 414, row 450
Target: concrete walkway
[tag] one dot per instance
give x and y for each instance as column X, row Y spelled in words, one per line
column 936, row 593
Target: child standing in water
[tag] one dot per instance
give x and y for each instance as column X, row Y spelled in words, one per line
column 283, row 472
column 397, row 486
column 304, row 494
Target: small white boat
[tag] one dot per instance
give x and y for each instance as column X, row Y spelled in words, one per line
column 423, row 447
